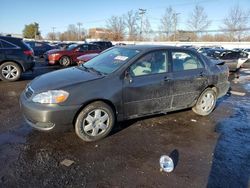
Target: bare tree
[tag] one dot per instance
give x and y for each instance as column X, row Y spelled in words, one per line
column 117, row 25
column 131, row 20
column 51, row 36
column 198, row 20
column 168, row 21
column 236, row 22
column 146, row 29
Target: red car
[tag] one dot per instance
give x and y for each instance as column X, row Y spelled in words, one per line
column 69, row 55
column 84, row 58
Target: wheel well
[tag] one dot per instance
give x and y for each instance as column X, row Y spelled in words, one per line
column 213, row 88
column 21, row 67
column 96, row 100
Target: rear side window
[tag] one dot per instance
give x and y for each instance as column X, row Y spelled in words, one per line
column 185, row 61
column 38, row 44
column 8, row 45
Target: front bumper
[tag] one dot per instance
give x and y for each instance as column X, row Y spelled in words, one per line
column 47, row 116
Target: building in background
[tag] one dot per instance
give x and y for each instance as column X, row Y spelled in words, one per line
column 100, row 33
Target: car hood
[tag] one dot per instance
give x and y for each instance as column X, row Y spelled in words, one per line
column 62, row 78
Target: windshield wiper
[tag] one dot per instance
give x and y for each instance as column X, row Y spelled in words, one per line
column 94, row 70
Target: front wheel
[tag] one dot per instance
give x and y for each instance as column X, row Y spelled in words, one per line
column 205, row 103
column 10, row 71
column 94, row 122
column 65, row 61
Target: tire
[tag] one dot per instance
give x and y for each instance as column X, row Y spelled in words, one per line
column 91, row 119
column 10, row 71
column 206, row 102
column 65, row 61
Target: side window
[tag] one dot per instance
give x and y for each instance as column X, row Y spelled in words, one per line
column 93, row 47
column 1, row 44
column 38, row 44
column 84, row 47
column 185, row 61
column 7, row 45
column 151, row 63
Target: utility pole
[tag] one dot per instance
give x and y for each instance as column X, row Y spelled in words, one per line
column 141, row 12
column 53, row 31
column 175, row 24
column 79, row 31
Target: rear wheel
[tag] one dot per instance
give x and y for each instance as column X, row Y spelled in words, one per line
column 94, row 122
column 10, row 71
column 65, row 61
column 206, row 102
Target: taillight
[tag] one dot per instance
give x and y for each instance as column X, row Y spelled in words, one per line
column 28, row 52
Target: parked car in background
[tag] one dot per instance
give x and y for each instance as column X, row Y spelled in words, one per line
column 69, row 56
column 84, row 58
column 234, row 59
column 39, row 48
column 15, row 58
column 103, row 44
column 124, row 82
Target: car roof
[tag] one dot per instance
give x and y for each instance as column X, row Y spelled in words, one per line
column 10, row 38
column 152, row 47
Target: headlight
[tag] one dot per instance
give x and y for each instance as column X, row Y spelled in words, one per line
column 51, row 97
column 53, row 55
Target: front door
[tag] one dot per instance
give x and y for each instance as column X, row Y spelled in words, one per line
column 148, row 88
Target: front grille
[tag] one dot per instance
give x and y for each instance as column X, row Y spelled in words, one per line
column 29, row 92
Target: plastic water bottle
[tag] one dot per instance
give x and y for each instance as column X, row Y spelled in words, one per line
column 166, row 163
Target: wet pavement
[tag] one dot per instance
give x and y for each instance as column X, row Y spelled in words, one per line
column 212, row 151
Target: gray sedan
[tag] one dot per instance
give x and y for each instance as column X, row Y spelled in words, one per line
column 122, row 83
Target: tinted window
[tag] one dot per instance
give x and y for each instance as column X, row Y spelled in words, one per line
column 230, row 55
column 94, row 47
column 151, row 63
column 185, row 61
column 8, row 45
column 38, row 44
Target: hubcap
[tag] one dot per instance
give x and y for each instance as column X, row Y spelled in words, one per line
column 95, row 123
column 9, row 72
column 207, row 102
column 65, row 61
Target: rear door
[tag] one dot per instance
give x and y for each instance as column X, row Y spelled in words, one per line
column 148, row 89
column 190, row 78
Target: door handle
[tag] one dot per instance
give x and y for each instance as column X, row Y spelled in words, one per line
column 167, row 79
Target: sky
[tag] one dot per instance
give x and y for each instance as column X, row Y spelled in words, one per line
column 15, row 14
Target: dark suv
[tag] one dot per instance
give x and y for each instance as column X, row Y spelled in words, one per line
column 15, row 57
column 103, row 44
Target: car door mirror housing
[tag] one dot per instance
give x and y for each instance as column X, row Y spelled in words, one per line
column 127, row 76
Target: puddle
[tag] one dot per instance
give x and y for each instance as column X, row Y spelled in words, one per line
column 231, row 162
column 17, row 136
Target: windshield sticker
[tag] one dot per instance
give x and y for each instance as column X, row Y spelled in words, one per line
column 121, row 58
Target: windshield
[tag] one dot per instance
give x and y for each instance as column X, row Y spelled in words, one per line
column 111, row 60
column 71, row 47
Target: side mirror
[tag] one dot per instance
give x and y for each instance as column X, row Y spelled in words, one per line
column 127, row 76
